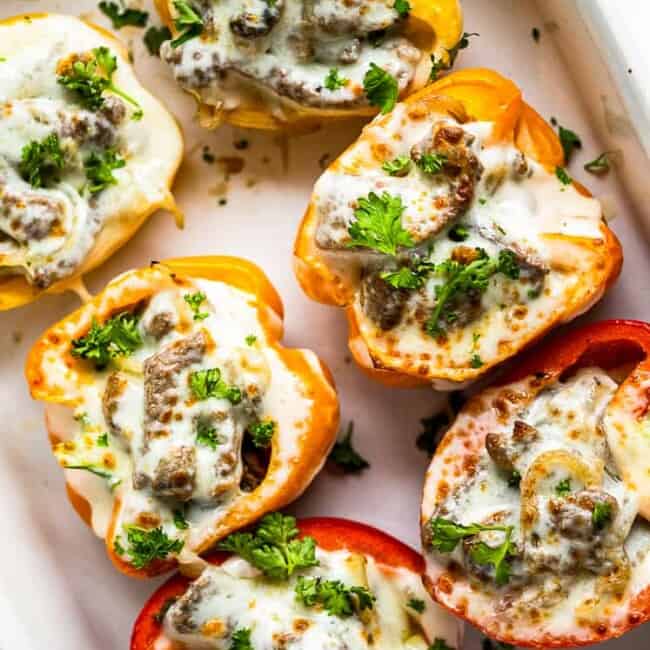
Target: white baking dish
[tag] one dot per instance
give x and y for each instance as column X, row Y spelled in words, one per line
column 57, row 588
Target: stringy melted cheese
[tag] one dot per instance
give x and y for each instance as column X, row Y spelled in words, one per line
column 516, row 206
column 46, row 233
column 235, row 596
column 566, row 574
column 299, row 43
column 133, row 460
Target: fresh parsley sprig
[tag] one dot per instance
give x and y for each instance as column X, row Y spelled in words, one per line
column 123, row 17
column 601, row 515
column 447, row 534
column 570, row 141
column 466, row 278
column 117, row 337
column 378, row 224
column 207, row 436
column 241, row 640
column 90, row 76
column 399, row 166
column 345, row 456
column 431, row 163
column 188, row 22
column 563, row 488
column 381, row 88
column 274, row 548
column 209, row 383
column 154, row 37
column 336, row 598
column 146, row 545
column 402, row 7
column 41, row 163
column 410, row 277
column 99, row 169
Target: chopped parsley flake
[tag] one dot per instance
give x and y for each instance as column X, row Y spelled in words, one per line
column 600, row 165
column 99, row 169
column 399, row 166
column 601, row 515
column 563, row 488
column 117, row 337
column 378, row 224
column 146, row 545
column 334, row 81
column 402, row 7
column 476, row 361
column 154, row 37
column 179, row 520
column 208, row 383
column 188, row 22
column 381, row 88
column 336, row 598
column 345, row 456
column 121, row 17
column 440, row 65
column 42, row 162
column 563, row 176
column 416, row 605
column 207, row 436
column 194, row 300
column 458, row 233
column 251, row 339
column 241, row 640
column 262, row 433
column 431, row 163
column 570, row 142
column 102, row 440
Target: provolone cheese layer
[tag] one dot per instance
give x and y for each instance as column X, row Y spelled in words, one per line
column 314, row 53
column 235, row 597
column 454, row 248
column 163, row 438
column 49, row 226
column 530, row 530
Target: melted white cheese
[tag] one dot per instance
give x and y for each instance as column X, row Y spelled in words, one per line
column 49, row 232
column 525, row 211
column 271, row 392
column 235, row 596
column 227, row 69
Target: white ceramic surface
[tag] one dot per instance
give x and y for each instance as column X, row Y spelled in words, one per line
column 57, row 588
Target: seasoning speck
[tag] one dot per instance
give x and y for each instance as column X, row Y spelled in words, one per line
column 208, row 156
column 223, row 201
column 323, row 161
column 17, row 336
column 536, row 34
column 241, row 144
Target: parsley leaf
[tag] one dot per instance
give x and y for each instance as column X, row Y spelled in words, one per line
column 117, row 337
column 99, row 169
column 208, row 383
column 514, row 479
column 399, row 166
column 378, row 224
column 336, row 598
column 345, row 456
column 250, row 339
column 188, row 22
column 446, row 535
column 273, row 547
column 563, row 487
column 416, row 605
column 90, row 76
column 241, row 639
column 600, row 165
column 41, row 162
column 102, row 440
column 381, row 88
column 262, row 433
column 601, row 515
column 476, row 361
column 402, row 7
column 147, row 545
column 431, row 163
column 439, row 65
column 194, row 300
column 404, row 278
column 113, row 482
column 123, row 17
column 154, row 37
column 570, row 142
column 207, row 435
column 466, row 278
column 563, row 176
column 435, row 426
column 334, row 81
column 179, row 520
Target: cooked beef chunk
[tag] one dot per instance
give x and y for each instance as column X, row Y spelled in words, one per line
column 180, row 615
column 506, row 449
column 350, row 17
column 381, row 302
column 31, row 216
column 175, row 474
column 115, row 385
column 573, row 515
column 159, row 324
column 161, row 381
column 256, row 18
